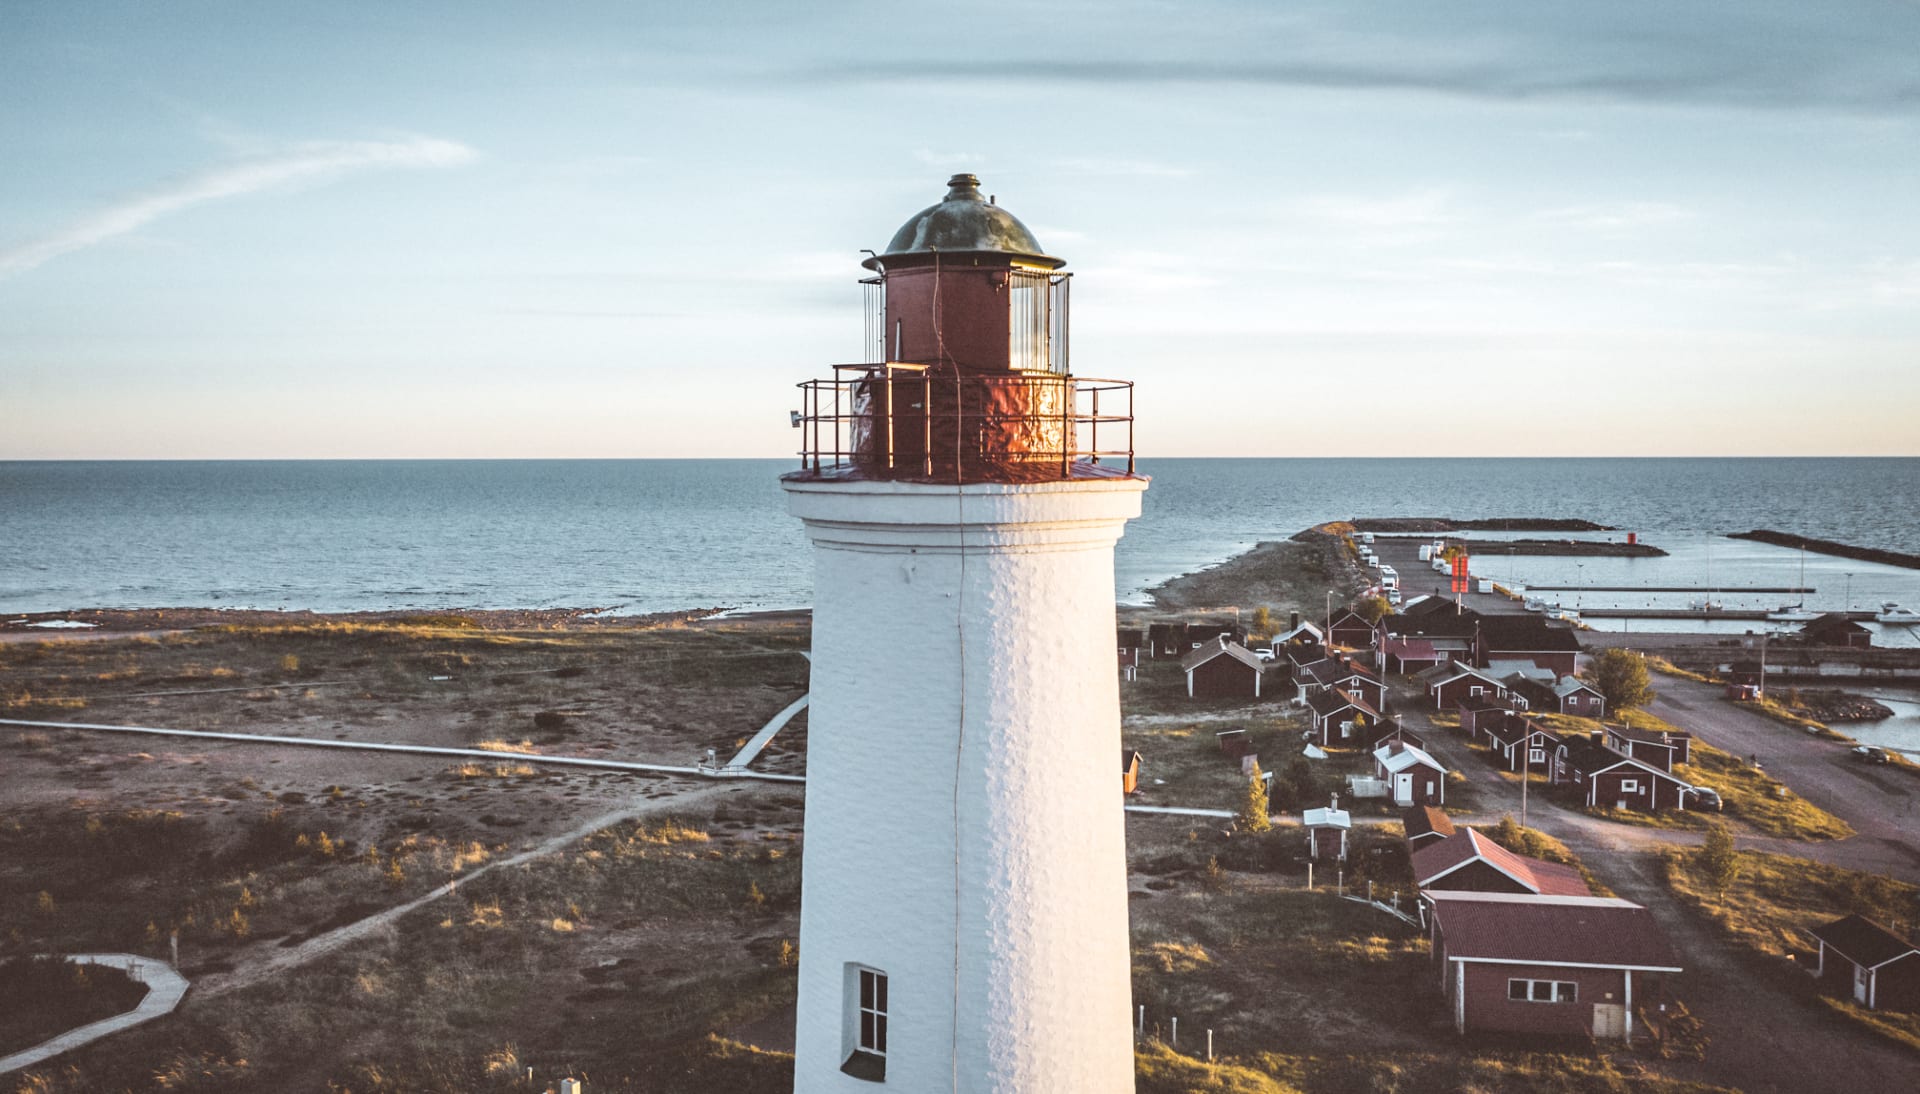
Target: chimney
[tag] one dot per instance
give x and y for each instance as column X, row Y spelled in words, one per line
column 1336, row 803
column 1293, row 621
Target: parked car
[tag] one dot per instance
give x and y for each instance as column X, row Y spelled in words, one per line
column 1871, row 755
column 1706, row 797
column 1264, row 653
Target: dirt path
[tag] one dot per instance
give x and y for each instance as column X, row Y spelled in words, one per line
column 275, row 960
column 1760, row 1037
column 1882, row 805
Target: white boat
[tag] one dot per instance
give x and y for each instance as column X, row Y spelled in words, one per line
column 1535, row 604
column 1894, row 613
column 1793, row 613
column 1707, row 605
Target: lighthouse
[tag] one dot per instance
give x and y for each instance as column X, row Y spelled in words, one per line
column 963, row 920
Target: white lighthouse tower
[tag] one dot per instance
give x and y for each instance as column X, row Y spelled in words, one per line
column 963, row 922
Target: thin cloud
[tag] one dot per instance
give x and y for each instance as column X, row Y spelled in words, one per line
column 1616, row 215
column 308, row 162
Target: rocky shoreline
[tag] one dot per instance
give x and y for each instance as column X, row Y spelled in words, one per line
column 1838, row 706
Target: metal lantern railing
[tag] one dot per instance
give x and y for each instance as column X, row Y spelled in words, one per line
column 943, row 424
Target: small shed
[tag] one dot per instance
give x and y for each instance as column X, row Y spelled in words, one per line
column 1413, row 777
column 1863, row 961
column 1424, row 824
column 1327, row 831
column 1223, row 670
column 1129, row 770
column 1835, row 629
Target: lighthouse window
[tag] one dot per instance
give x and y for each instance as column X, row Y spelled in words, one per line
column 867, row 1017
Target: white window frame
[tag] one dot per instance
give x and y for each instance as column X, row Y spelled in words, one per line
column 1474, row 691
column 1536, row 755
column 1543, row 991
column 870, row 1004
column 864, row 1032
column 1629, row 786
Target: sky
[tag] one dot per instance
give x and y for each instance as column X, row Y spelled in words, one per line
column 493, row 230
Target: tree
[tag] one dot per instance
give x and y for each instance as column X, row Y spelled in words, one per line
column 1374, row 608
column 1253, row 814
column 1719, row 862
column 1621, row 676
column 1263, row 621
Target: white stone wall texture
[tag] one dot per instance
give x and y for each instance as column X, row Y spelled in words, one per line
column 964, row 823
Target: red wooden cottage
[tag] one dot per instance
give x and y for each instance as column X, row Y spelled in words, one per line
column 1520, row 742
column 1471, row 862
column 1350, row 630
column 1526, row 638
column 1572, row 966
column 1412, row 776
column 1660, row 748
column 1565, row 695
column 1447, row 685
column 1479, row 711
column 1222, row 670
column 1340, row 718
column 1611, row 780
column 1865, row 962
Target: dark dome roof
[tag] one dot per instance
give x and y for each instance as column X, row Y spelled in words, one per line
column 965, row 223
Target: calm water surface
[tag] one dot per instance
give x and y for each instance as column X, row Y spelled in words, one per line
column 644, row 535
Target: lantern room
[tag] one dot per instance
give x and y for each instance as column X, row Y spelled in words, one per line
column 966, row 375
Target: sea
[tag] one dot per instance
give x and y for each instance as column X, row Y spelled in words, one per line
column 635, row 536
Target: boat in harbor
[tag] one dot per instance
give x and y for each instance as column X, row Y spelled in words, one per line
column 1796, row 613
column 1793, row 613
column 1895, row 614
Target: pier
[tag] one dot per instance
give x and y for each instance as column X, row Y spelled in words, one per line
column 1717, row 590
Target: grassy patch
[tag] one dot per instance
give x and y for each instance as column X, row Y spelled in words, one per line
column 1667, row 668
column 1759, row 799
column 1756, row 798
column 42, row 997
column 1773, row 901
column 632, row 958
column 1895, row 1026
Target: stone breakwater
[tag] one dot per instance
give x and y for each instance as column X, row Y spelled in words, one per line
column 1829, row 547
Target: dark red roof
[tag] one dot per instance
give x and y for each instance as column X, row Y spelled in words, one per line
column 1434, row 861
column 1549, row 930
column 1862, row 941
column 1423, row 820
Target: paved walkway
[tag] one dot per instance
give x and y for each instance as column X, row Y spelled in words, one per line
column 165, row 988
column 765, row 737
